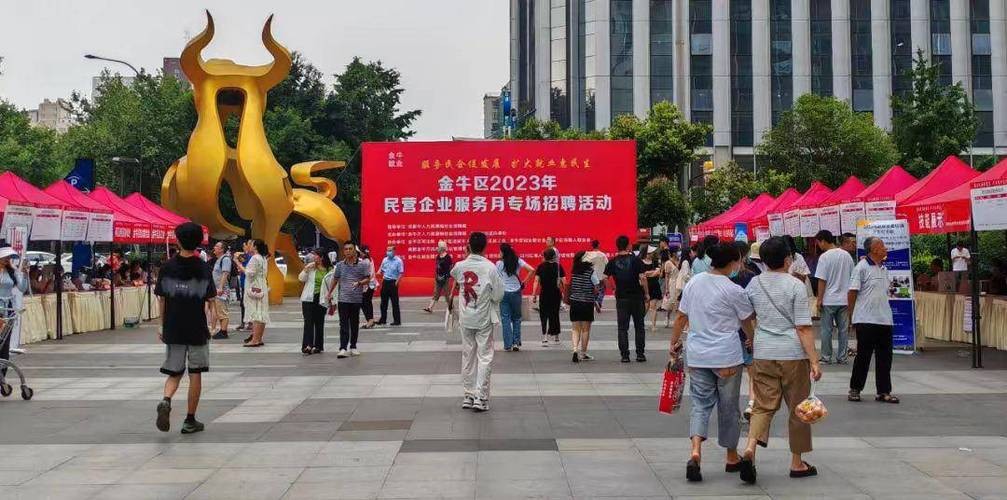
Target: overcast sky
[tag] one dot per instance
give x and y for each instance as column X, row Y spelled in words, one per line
column 450, row 52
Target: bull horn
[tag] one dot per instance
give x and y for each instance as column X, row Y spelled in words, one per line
column 191, row 60
column 276, row 71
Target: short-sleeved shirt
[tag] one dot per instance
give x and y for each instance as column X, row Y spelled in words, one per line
column 186, row 284
column 715, row 307
column 348, row 275
column 958, row 262
column 479, row 292
column 582, row 286
column 835, row 266
column 443, row 267
column 598, row 261
column 871, row 282
column 799, row 265
column 392, row 268
column 653, row 282
column 549, row 274
column 511, row 282
column 700, row 266
column 775, row 332
column 220, row 267
column 626, row 270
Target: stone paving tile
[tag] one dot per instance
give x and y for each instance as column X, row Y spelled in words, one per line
column 428, row 489
column 61, row 492
column 334, row 489
column 146, row 491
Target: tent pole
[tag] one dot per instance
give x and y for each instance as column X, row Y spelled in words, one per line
column 59, row 291
column 977, row 348
column 150, row 267
column 111, row 286
column 947, row 250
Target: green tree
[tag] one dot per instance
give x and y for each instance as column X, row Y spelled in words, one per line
column 932, row 121
column 30, row 152
column 730, row 183
column 665, row 141
column 660, row 201
column 364, row 105
column 823, row 139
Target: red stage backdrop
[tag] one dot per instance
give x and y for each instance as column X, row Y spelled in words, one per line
column 415, row 194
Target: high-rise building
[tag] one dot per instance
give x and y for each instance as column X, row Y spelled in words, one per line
column 96, row 83
column 173, row 66
column 739, row 64
column 53, row 115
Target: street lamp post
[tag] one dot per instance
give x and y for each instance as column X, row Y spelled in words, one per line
column 99, row 58
column 121, row 161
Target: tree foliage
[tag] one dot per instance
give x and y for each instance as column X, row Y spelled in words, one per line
column 730, row 183
column 823, row 139
column 932, row 121
column 29, row 152
column 661, row 201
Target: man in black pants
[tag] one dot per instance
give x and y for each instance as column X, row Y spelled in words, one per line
column 353, row 276
column 627, row 271
column 871, row 317
column 391, row 271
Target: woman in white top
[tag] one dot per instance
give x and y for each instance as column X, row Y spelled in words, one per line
column 257, row 290
column 670, row 290
column 714, row 308
column 367, row 306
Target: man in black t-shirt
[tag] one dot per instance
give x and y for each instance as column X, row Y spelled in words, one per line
column 184, row 286
column 627, row 271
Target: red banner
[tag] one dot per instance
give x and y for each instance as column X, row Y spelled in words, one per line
column 415, row 194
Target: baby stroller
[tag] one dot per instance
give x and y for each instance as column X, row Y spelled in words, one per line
column 6, row 327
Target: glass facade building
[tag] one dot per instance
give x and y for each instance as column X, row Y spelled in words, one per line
column 662, row 50
column 701, row 62
column 622, row 56
column 861, row 62
column 821, row 47
column 741, row 72
column 781, row 58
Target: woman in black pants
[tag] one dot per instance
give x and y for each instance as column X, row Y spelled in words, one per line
column 548, row 292
column 367, row 306
column 314, row 300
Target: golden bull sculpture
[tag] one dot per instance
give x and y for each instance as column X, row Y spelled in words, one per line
column 263, row 194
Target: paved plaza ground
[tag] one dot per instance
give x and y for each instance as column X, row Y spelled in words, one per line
column 388, row 424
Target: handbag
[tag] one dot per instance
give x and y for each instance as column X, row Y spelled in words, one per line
column 672, row 387
column 256, row 293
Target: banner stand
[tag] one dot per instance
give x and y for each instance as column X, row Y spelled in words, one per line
column 895, row 234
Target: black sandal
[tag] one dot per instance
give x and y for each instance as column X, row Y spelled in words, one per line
column 809, row 472
column 306, row 351
column 853, row 396
column 747, row 469
column 886, row 398
column 692, row 472
column 735, row 467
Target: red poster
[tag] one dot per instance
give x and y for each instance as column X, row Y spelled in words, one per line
column 415, row 194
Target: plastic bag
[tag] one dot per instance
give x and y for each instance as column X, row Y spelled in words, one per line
column 812, row 410
column 674, row 384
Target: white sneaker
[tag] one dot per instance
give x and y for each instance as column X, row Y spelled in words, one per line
column 354, row 352
column 545, row 340
column 555, row 339
column 17, row 350
column 747, row 415
column 341, row 354
column 480, row 405
column 586, row 357
column 467, row 402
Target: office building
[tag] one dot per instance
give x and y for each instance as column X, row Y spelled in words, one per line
column 739, row 64
column 53, row 115
column 97, row 80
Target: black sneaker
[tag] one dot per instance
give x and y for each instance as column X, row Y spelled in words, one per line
column 641, row 358
column 163, row 416
column 515, row 348
column 625, row 358
column 576, row 358
column 397, row 323
column 192, row 426
column 221, row 335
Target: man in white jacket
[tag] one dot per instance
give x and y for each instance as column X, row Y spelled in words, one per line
column 480, row 292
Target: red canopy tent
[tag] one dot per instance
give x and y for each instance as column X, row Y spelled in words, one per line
column 828, row 210
column 878, row 199
column 142, row 202
column 760, row 221
column 950, row 173
column 791, row 213
column 140, row 230
column 950, row 211
column 701, row 228
column 725, row 227
column 25, row 205
column 807, row 207
column 887, row 186
column 100, row 216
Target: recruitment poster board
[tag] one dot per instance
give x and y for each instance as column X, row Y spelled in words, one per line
column 895, row 234
column 850, row 214
column 879, row 210
column 47, row 224
column 100, row 227
column 16, row 216
column 74, row 225
column 776, row 225
column 415, row 194
column 809, row 222
column 989, row 205
column 829, row 219
column 791, row 223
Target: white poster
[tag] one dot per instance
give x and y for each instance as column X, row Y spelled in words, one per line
column 776, row 226
column 16, row 216
column 792, row 223
column 74, row 226
column 849, row 215
column 828, row 219
column 809, row 222
column 989, row 205
column 879, row 210
column 99, row 228
column 46, row 225
column 761, row 234
column 19, row 241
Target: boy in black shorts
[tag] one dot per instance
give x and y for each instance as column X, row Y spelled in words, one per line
column 184, row 286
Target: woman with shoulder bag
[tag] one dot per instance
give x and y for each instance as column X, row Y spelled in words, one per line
column 256, row 291
column 314, row 300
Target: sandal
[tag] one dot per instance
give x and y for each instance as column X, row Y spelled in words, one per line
column 428, row 310
column 735, row 467
column 260, row 344
column 747, row 468
column 809, row 472
column 306, row 351
column 692, row 472
column 853, row 396
column 315, row 350
column 248, row 339
column 886, row 398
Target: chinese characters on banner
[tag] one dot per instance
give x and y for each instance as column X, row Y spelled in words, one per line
column 16, row 216
column 809, row 222
column 895, row 234
column 46, row 224
column 416, row 194
column 829, row 219
column 989, row 205
column 879, row 210
column 849, row 215
column 792, row 223
column 74, row 226
column 776, row 225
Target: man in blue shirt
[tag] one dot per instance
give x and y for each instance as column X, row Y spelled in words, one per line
column 391, row 271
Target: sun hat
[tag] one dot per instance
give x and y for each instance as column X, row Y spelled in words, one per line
column 754, row 253
column 7, row 252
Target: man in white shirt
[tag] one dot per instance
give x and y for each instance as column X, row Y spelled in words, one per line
column 835, row 266
column 480, row 292
column 960, row 260
column 871, row 316
column 598, row 261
